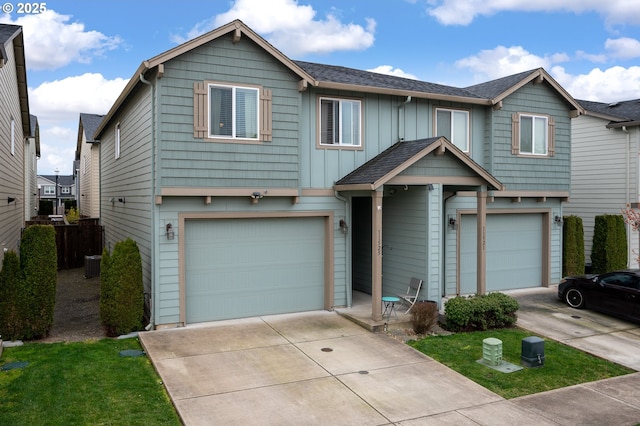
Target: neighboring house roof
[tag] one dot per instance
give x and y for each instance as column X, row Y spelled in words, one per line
column 63, row 180
column 35, row 132
column 88, row 124
column 342, row 78
column 400, row 156
column 13, row 33
column 622, row 113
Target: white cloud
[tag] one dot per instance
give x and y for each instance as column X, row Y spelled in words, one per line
column 623, row 48
column 463, row 12
column 292, row 27
column 612, row 84
column 502, row 61
column 52, row 41
column 65, row 99
column 390, row 70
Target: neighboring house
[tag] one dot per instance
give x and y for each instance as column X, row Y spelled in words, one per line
column 66, row 190
column 31, row 156
column 254, row 184
column 605, row 174
column 16, row 138
column 88, row 170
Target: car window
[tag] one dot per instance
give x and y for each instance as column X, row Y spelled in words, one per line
column 623, row 280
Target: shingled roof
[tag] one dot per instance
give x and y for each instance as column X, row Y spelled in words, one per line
column 90, row 123
column 402, row 155
column 620, row 113
column 351, row 76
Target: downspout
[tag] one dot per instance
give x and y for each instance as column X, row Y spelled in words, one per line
column 401, row 119
column 155, row 291
column 347, row 266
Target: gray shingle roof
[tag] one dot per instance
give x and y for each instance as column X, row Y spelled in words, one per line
column 385, row 162
column 90, row 122
column 7, row 32
column 626, row 110
column 344, row 75
column 63, row 180
column 494, row 88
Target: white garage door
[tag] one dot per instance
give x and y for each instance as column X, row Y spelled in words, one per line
column 514, row 252
column 239, row 268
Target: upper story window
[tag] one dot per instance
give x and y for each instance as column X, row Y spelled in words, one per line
column 533, row 135
column 340, row 122
column 453, row 125
column 65, row 190
column 117, row 141
column 49, row 190
column 233, row 112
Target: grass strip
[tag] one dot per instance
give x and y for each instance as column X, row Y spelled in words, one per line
column 82, row 383
column 563, row 366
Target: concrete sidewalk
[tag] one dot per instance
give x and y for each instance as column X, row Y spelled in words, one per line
column 320, row 368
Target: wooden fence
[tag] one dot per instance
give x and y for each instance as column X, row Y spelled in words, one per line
column 76, row 241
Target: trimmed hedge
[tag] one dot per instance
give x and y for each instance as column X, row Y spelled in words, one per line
column 609, row 249
column 28, row 285
column 572, row 246
column 121, row 289
column 480, row 312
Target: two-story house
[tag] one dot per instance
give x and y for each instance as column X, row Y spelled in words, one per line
column 605, row 156
column 57, row 189
column 19, row 139
column 255, row 184
column 88, row 160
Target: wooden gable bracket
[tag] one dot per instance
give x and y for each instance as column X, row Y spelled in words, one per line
column 237, row 34
column 207, row 199
column 302, row 85
column 160, row 71
column 497, row 106
column 542, row 199
column 440, row 150
column 574, row 113
column 516, row 199
column 539, row 79
column 295, row 200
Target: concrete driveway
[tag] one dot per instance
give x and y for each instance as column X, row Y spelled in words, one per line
column 610, row 338
column 319, row 368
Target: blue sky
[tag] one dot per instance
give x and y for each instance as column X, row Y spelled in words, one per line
column 80, row 54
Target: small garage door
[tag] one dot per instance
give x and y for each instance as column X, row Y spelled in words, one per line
column 239, row 268
column 514, row 252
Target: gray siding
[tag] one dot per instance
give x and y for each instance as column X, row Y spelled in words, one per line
column 129, row 177
column 12, row 172
column 536, row 174
column 190, row 162
column 604, row 173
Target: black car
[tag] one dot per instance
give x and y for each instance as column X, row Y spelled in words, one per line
column 615, row 293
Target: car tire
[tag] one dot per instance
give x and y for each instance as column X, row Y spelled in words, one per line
column 574, row 298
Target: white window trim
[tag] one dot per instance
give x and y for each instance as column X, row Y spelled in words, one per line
column 359, row 145
column 233, row 112
column 533, row 129
column 452, row 110
column 65, row 190
column 49, row 190
column 117, row 141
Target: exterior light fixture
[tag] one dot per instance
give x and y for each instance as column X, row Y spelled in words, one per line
column 255, row 197
column 343, row 226
column 170, row 233
column 452, row 221
column 10, row 200
column 558, row 220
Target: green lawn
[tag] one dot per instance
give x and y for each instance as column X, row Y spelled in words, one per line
column 82, row 383
column 563, row 366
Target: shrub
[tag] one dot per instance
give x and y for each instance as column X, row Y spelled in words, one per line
column 121, row 289
column 572, row 246
column 73, row 216
column 481, row 312
column 13, row 298
column 609, row 249
column 38, row 261
column 424, row 315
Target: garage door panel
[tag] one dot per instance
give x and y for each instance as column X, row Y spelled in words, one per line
column 247, row 267
column 514, row 252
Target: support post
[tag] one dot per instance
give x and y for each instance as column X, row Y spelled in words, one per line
column 376, row 255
